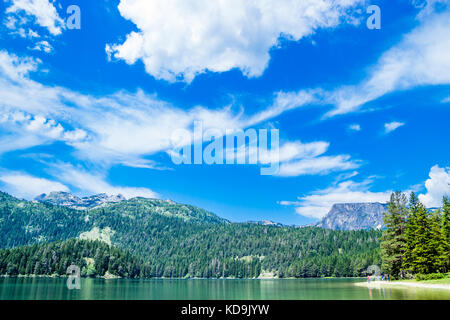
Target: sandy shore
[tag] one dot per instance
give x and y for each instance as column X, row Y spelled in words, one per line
column 380, row 284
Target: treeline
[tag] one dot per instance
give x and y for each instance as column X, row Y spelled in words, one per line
column 94, row 258
column 172, row 240
column 416, row 241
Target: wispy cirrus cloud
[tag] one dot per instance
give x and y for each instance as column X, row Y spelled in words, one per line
column 355, row 127
column 318, row 166
column 26, row 186
column 392, row 126
column 124, row 128
column 421, row 58
column 95, row 182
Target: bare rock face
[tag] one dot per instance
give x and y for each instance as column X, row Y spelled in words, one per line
column 69, row 200
column 354, row 216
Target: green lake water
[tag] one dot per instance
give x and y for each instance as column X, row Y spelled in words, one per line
column 199, row 289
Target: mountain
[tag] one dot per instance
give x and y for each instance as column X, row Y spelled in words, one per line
column 178, row 240
column 354, row 216
column 69, row 200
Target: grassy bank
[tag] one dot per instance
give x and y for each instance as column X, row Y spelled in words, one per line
column 437, row 281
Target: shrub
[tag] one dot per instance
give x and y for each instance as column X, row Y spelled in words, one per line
column 430, row 276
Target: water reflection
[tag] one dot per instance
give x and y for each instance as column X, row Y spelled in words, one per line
column 292, row 289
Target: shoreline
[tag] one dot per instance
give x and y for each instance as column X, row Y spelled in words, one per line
column 380, row 284
column 108, row 277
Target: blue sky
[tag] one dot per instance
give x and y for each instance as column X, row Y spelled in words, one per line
column 360, row 111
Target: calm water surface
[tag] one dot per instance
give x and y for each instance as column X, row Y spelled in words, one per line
column 99, row 289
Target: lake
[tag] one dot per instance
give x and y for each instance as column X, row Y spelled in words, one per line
column 201, row 289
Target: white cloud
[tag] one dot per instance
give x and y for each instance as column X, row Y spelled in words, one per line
column 285, row 101
column 288, row 151
column 177, row 40
column 120, row 127
column 391, row 126
column 317, row 204
column 124, row 128
column 94, row 183
column 437, row 187
column 15, row 68
column 25, row 131
column 296, row 158
column 26, row 186
column 421, row 58
column 355, row 127
column 43, row 12
column 317, row 165
column 43, row 46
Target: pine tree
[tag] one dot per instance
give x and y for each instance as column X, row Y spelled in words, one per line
column 393, row 239
column 425, row 251
column 410, row 233
column 422, row 248
column 437, row 242
column 446, row 233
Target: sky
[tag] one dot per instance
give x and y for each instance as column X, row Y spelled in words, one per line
column 91, row 93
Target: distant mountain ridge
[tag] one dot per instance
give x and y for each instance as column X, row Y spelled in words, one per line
column 66, row 199
column 354, row 216
column 342, row 216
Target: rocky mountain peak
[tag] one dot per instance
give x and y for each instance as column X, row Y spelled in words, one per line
column 69, row 200
column 354, row 216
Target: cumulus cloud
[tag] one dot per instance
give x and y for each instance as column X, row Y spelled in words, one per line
column 392, row 126
column 438, row 186
column 24, row 131
column 26, row 186
column 355, row 127
column 41, row 12
column 44, row 46
column 13, row 68
column 177, row 40
column 317, row 204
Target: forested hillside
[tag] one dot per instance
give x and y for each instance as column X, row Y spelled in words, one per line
column 94, row 258
column 175, row 240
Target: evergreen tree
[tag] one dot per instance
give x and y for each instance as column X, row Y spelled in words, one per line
column 422, row 248
column 446, row 233
column 393, row 240
column 437, row 243
column 410, row 233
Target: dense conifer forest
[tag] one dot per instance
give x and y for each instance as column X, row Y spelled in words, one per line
column 154, row 238
column 416, row 241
